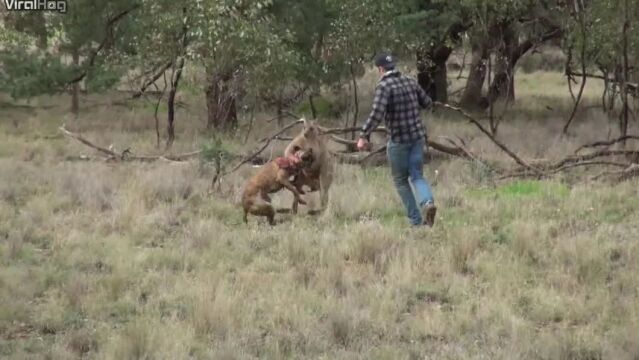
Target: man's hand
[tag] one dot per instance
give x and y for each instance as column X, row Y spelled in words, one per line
column 363, row 144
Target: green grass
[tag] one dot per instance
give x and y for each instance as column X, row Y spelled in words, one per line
column 522, row 189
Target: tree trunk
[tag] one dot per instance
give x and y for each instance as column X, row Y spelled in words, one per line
column 175, row 80
column 355, row 101
column 41, row 30
column 432, row 73
column 503, row 83
column 424, row 76
column 280, row 108
column 431, row 62
column 582, row 86
column 221, row 102
column 441, row 82
column 75, row 88
column 312, row 105
column 626, row 71
column 511, row 50
column 472, row 96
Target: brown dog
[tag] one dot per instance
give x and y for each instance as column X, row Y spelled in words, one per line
column 271, row 178
column 319, row 174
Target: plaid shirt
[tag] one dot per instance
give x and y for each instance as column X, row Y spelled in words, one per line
column 398, row 100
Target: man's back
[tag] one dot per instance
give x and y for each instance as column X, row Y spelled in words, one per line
column 399, row 100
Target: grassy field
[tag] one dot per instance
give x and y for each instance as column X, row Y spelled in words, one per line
column 136, row 261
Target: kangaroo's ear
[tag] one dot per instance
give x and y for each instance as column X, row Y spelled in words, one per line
column 305, row 122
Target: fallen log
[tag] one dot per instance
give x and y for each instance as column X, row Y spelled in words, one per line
column 542, row 169
column 607, row 142
column 628, row 173
column 499, row 144
column 126, row 155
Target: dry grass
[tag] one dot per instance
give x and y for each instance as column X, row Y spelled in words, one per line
column 134, row 261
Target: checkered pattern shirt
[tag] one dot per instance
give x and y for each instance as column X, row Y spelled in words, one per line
column 398, row 100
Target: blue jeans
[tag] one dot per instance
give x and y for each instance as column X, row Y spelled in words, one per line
column 407, row 161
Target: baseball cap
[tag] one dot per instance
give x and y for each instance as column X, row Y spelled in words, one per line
column 385, row 60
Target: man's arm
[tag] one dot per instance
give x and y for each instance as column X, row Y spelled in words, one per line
column 424, row 100
column 377, row 114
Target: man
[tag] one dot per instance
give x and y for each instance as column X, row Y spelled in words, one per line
column 399, row 100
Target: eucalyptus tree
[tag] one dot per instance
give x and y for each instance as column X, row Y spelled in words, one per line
column 605, row 35
column 72, row 47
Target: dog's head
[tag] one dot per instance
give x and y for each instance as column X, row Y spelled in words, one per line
column 306, row 156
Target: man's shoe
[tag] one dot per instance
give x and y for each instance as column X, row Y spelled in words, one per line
column 429, row 210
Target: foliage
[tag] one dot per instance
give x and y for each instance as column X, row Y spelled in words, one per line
column 29, row 71
column 214, row 150
column 426, row 22
column 325, row 108
column 269, row 46
column 603, row 41
column 22, row 78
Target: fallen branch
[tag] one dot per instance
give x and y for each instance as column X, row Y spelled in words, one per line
column 607, row 142
column 622, row 175
column 563, row 168
column 592, row 156
column 373, row 153
column 329, row 131
column 453, row 151
column 88, row 143
column 8, row 105
column 588, row 163
column 461, row 147
column 499, row 144
column 126, row 154
column 351, row 144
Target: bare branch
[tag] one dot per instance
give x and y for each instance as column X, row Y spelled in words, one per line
column 281, row 131
column 499, row 144
column 87, row 142
column 622, row 175
column 126, row 154
column 159, row 73
column 630, row 87
column 594, row 155
column 607, row 142
column 583, row 78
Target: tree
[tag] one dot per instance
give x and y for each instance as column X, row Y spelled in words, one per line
column 431, row 29
column 505, row 31
column 28, row 71
column 610, row 41
column 234, row 42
